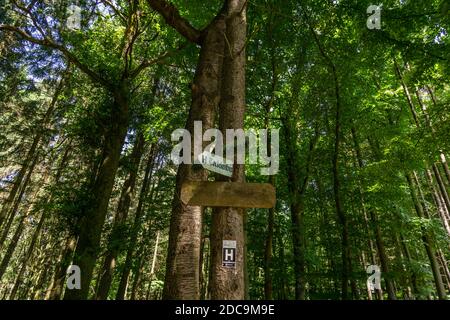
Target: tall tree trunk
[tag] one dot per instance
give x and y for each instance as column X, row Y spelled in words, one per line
column 407, row 93
column 297, row 184
column 117, row 233
column 377, row 231
column 383, row 257
column 21, row 221
column 441, row 185
column 142, row 253
column 268, row 253
column 205, row 269
column 340, row 211
column 428, row 243
column 416, row 121
column 30, row 155
column 37, row 232
column 12, row 245
column 268, row 248
column 228, row 223
column 153, row 266
column 440, row 206
column 17, row 203
column 121, row 291
column 279, row 248
column 57, row 283
column 446, row 270
column 27, row 256
column 445, row 167
column 442, row 156
column 183, row 258
column 364, row 264
column 93, row 215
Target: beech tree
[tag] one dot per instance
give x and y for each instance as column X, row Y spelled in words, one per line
column 91, row 93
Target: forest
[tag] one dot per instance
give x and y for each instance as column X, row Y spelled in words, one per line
column 351, row 99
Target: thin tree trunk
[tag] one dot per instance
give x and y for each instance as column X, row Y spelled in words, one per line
column 441, row 208
column 281, row 294
column 442, row 156
column 297, row 185
column 121, row 291
column 12, row 245
column 383, row 257
column 27, row 256
column 364, row 264
column 268, row 253
column 57, row 283
column 445, row 167
column 117, row 236
column 155, row 256
column 441, row 185
column 429, row 247
column 18, row 201
column 416, row 121
column 203, row 253
column 413, row 277
column 142, row 254
column 21, row 222
column 93, row 215
column 445, row 268
column 37, row 232
column 340, row 211
column 268, row 249
column 374, row 219
column 407, row 93
column 30, row 155
column 400, row 252
column 205, row 269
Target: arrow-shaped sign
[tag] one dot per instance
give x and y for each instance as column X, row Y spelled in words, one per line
column 228, row 194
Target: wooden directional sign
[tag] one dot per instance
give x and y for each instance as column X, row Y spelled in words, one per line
column 228, row 194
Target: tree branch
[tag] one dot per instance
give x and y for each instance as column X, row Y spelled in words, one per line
column 46, row 42
column 173, row 18
column 115, row 9
column 146, row 63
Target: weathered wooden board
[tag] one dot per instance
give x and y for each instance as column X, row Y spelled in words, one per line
column 228, row 194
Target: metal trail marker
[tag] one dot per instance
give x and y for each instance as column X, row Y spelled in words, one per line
column 229, row 253
column 216, row 163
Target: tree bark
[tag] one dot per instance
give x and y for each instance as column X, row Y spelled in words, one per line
column 21, row 222
column 17, row 203
column 123, row 284
column 57, row 283
column 428, row 243
column 37, row 232
column 440, row 206
column 407, row 93
column 441, row 185
column 30, row 155
column 374, row 220
column 117, row 236
column 183, row 259
column 297, row 184
column 154, row 259
column 93, row 215
column 228, row 223
column 444, row 264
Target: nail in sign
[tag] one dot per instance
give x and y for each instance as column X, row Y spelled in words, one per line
column 229, row 253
